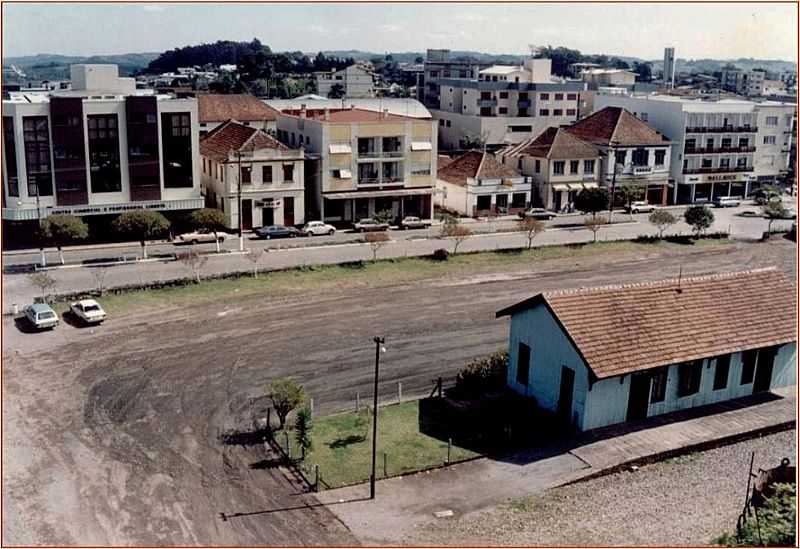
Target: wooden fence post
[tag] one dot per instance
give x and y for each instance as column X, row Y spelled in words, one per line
column 316, row 477
column 311, row 406
column 358, row 401
column 449, row 446
column 399, row 391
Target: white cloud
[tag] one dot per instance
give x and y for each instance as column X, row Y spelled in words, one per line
column 154, row 8
column 470, row 17
column 390, row 28
column 319, row 29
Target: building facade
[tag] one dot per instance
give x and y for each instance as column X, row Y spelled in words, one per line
column 669, row 68
column 716, row 145
column 504, row 105
column 560, row 165
column 270, row 173
column 354, row 80
column 440, row 65
column 101, row 148
column 361, row 162
column 748, row 83
column 476, row 185
column 608, row 77
column 567, row 351
column 216, row 109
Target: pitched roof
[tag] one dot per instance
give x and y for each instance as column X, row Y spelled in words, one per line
column 476, row 165
column 443, row 160
column 615, row 124
column 628, row 328
column 553, row 143
column 350, row 115
column 213, row 107
column 232, row 136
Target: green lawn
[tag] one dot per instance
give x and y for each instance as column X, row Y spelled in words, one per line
column 342, row 445
column 366, row 274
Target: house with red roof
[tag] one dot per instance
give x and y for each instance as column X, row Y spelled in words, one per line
column 242, row 162
column 600, row 356
column 215, row 109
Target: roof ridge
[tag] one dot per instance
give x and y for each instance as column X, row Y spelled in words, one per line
column 659, row 283
column 480, row 164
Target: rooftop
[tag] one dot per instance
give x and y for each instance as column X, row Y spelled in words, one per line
column 402, row 106
column 475, row 165
column 231, row 136
column 245, row 108
column 629, row 328
column 347, row 116
column 616, row 125
column 554, row 144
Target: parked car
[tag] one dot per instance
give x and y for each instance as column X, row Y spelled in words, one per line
column 411, row 222
column 369, row 224
column 726, row 202
column 639, row 207
column 790, row 214
column 537, row 213
column 276, row 231
column 317, row 227
column 88, row 311
column 41, row 316
column 762, row 196
column 199, row 236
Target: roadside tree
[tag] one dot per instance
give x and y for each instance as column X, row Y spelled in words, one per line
column 592, row 201
column 142, row 225
column 531, row 227
column 43, row 282
column 772, row 210
column 663, row 220
column 210, row 219
column 452, row 228
column 594, row 224
column 193, row 261
column 383, row 216
column 62, row 229
column 376, row 241
column 286, row 395
column 99, row 276
column 699, row 218
column 255, row 257
column 302, row 431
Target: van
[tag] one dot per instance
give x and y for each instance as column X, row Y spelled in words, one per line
column 726, row 202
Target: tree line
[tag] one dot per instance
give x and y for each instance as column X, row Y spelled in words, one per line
column 563, row 57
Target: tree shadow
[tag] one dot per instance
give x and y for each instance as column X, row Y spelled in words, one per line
column 268, row 463
column 245, row 438
column 71, row 319
column 347, row 441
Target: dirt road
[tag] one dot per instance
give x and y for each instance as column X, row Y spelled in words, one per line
column 111, row 436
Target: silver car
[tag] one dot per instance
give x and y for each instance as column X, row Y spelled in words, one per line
column 41, row 316
column 317, row 228
column 88, row 311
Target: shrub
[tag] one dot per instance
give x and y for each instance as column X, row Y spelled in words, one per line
column 592, row 200
column 775, row 526
column 699, row 217
column 482, row 375
column 662, row 219
column 440, row 255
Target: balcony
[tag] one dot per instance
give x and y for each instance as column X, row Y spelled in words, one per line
column 487, row 102
column 719, row 150
column 589, row 177
column 721, row 129
column 369, row 180
column 718, row 170
column 524, row 104
column 639, row 170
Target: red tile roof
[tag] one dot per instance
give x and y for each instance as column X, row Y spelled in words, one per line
column 244, row 108
column 629, row 328
column 476, row 165
column 346, row 116
column 443, row 160
column 554, row 144
column 615, row 124
column 232, row 136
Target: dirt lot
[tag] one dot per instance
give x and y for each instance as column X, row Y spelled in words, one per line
column 111, row 434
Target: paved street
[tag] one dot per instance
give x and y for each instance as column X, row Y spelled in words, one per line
column 343, row 247
column 111, row 434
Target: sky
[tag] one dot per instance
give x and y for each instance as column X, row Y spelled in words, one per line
column 720, row 31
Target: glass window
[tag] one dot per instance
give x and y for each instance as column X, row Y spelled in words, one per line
column 518, row 200
column 707, row 163
column 266, row 174
column 721, row 372
column 571, row 112
column 572, row 97
column 620, row 157
column 246, row 175
column 772, row 121
column 744, row 142
column 573, row 166
column 538, row 166
column 558, row 112
column 36, row 137
column 748, row 366
column 658, row 387
column 544, row 96
column 558, row 167
column 484, row 202
column 288, row 172
column 523, row 363
column 177, row 149
column 769, row 140
column 689, row 376
column 588, row 166
column 104, row 164
column 10, row 156
column 544, row 112
column 660, row 157
column 503, row 95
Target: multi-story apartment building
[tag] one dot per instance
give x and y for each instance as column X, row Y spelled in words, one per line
column 719, row 148
column 633, row 154
column 241, row 160
column 354, row 80
column 101, row 148
column 439, row 65
column 608, row 77
column 216, row 109
column 360, row 162
column 504, row 105
column 560, row 165
column 749, row 83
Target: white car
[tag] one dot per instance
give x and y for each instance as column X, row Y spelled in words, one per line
column 638, row 207
column 88, row 310
column 313, row 228
column 200, row 235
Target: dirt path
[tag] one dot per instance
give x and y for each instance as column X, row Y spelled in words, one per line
column 113, row 437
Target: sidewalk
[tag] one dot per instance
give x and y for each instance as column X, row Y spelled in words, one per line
column 405, row 503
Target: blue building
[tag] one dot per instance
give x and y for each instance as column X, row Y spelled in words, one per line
column 601, row 356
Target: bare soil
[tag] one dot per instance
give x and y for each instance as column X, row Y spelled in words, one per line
column 111, row 435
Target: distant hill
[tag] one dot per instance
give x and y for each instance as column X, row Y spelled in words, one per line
column 48, row 66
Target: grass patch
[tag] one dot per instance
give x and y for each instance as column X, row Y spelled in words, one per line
column 385, row 272
column 342, row 445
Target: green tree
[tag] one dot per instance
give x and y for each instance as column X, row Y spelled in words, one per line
column 43, row 282
column 286, row 395
column 772, row 210
column 632, row 192
column 592, row 200
column 383, row 216
column 302, row 431
column 210, row 219
column 336, row 91
column 62, row 229
column 699, row 217
column 644, row 70
column 662, row 219
column 774, row 526
column 142, row 225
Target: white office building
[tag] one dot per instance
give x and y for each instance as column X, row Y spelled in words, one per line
column 354, row 81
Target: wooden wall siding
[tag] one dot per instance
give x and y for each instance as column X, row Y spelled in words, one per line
column 144, row 166
column 69, row 151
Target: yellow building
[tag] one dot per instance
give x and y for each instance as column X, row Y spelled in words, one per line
column 360, row 162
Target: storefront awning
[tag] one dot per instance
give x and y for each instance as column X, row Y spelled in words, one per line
column 340, row 148
column 560, row 187
column 421, row 146
column 590, row 185
column 575, row 186
column 376, row 194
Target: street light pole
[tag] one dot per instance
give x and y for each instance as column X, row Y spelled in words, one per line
column 39, row 218
column 613, row 156
column 378, row 343
column 239, row 200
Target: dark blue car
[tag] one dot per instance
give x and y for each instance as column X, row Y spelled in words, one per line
column 276, row 231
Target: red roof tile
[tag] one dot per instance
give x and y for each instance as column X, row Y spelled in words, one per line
column 244, row 108
column 618, row 125
column 476, row 165
column 554, row 144
column 231, row 137
column 629, row 328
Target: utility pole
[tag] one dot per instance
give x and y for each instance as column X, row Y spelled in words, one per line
column 39, row 218
column 378, row 347
column 613, row 157
column 239, row 200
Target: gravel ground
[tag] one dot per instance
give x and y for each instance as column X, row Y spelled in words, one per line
column 688, row 500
